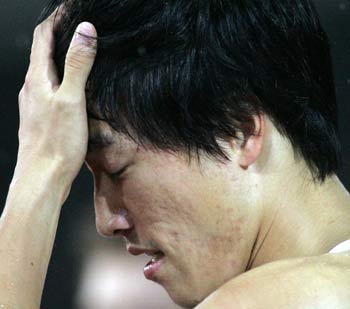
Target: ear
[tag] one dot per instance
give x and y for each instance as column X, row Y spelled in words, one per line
column 250, row 149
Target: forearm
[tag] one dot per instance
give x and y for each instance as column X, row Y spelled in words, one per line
column 27, row 232
column 53, row 136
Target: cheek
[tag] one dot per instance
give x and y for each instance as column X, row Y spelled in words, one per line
column 154, row 200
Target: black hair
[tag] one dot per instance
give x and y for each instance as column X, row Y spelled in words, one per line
column 183, row 74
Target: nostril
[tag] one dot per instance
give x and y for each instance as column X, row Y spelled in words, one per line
column 123, row 233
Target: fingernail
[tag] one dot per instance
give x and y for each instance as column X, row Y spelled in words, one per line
column 83, row 32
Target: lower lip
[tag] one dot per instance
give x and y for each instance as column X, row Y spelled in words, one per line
column 150, row 270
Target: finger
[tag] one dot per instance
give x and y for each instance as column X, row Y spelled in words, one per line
column 42, row 66
column 80, row 58
column 43, row 38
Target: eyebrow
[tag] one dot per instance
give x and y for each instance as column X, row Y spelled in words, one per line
column 98, row 141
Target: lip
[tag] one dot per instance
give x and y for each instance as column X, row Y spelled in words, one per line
column 151, row 269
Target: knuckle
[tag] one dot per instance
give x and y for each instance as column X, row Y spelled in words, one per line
column 20, row 94
column 81, row 56
column 46, row 97
column 28, row 82
column 27, row 79
column 31, row 58
column 37, row 31
column 74, row 62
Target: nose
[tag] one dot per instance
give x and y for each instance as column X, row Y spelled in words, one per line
column 112, row 219
column 115, row 224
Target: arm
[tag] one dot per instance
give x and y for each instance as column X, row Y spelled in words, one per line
column 49, row 158
column 27, row 232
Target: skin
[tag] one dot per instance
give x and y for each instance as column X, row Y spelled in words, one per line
column 183, row 209
column 43, row 177
column 320, row 282
column 232, row 232
column 238, row 215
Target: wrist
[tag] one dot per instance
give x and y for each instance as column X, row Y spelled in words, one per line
column 41, row 176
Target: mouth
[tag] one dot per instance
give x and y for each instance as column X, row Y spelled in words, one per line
column 153, row 265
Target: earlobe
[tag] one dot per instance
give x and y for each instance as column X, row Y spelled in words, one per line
column 250, row 149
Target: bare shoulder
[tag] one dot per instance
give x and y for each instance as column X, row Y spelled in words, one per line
column 311, row 282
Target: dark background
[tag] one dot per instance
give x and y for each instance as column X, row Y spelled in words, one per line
column 17, row 20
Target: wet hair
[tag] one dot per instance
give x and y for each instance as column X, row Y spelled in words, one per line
column 185, row 74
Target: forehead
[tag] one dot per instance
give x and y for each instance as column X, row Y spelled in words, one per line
column 102, row 135
column 105, row 142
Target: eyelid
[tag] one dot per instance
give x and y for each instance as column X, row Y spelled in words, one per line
column 117, row 174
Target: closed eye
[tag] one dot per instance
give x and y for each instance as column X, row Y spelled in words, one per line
column 118, row 174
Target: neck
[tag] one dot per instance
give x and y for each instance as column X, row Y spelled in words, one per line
column 307, row 220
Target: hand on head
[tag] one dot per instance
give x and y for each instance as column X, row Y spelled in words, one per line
column 53, row 119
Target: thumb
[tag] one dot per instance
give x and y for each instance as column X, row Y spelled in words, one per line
column 80, row 57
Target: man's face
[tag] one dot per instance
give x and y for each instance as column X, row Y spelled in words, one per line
column 199, row 215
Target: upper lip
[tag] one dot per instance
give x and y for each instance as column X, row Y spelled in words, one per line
column 137, row 251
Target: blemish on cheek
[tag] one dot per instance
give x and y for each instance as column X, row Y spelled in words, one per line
column 234, row 265
column 175, row 236
column 207, row 273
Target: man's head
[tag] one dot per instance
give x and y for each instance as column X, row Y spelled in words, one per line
column 203, row 216
column 183, row 74
column 206, row 103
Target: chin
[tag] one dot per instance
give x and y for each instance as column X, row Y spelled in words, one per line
column 187, row 303
column 186, row 298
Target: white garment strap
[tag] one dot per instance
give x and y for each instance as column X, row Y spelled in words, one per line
column 342, row 247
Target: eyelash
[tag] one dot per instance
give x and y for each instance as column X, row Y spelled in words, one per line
column 117, row 174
